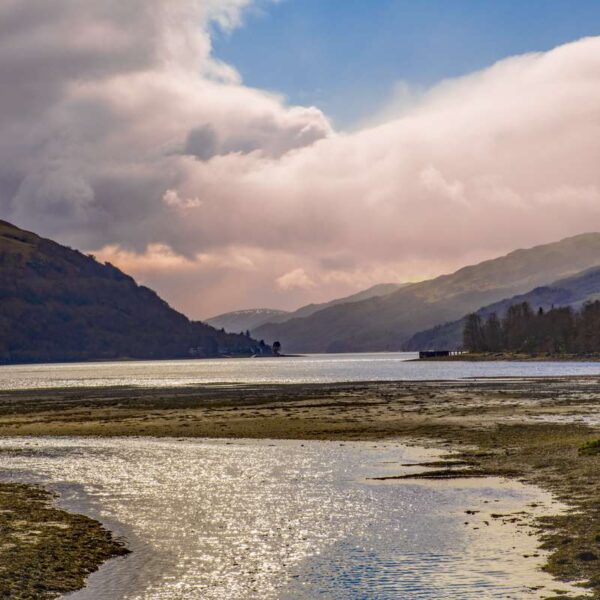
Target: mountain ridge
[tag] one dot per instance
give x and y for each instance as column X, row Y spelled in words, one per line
column 387, row 322
column 572, row 291
column 245, row 319
column 241, row 320
column 58, row 304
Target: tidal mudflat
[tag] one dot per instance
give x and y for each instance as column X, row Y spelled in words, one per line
column 291, row 519
column 489, row 428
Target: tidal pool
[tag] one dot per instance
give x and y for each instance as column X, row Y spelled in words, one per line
column 244, row 519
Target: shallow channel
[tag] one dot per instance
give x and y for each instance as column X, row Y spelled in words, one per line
column 244, row 519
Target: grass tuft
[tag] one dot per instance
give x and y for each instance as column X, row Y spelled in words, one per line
column 590, row 448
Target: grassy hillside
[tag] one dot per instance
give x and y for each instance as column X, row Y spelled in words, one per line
column 57, row 304
column 386, row 323
column 571, row 291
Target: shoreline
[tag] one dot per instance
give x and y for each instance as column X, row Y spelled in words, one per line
column 511, row 357
column 512, row 519
column 521, row 428
column 51, row 551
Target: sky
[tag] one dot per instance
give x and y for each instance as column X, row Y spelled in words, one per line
column 349, row 56
column 249, row 153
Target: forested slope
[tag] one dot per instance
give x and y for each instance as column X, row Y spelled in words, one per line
column 570, row 292
column 57, row 304
column 388, row 322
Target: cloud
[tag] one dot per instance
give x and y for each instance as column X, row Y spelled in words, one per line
column 295, row 280
column 122, row 133
column 202, row 142
column 171, row 199
column 111, row 89
column 156, row 257
column 269, row 134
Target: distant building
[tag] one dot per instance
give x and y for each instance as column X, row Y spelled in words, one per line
column 439, row 353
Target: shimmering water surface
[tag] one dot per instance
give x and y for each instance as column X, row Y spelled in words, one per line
column 315, row 368
column 287, row 520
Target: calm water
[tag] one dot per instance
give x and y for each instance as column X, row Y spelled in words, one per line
column 316, row 368
column 287, row 520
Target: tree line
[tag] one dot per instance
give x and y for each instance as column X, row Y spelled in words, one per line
column 555, row 331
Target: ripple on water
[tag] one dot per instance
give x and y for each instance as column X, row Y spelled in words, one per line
column 291, row 520
column 316, row 368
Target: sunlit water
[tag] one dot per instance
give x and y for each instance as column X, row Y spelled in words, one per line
column 315, row 368
column 286, row 520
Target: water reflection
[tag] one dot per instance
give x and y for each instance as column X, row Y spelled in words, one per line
column 292, row 520
column 316, row 368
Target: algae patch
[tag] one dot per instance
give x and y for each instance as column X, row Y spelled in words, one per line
column 590, row 448
column 46, row 551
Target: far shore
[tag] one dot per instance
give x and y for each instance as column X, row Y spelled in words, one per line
column 125, row 359
column 536, row 430
column 512, row 356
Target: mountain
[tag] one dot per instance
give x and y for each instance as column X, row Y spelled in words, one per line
column 57, row 304
column 388, row 322
column 572, row 291
column 243, row 320
column 253, row 318
column 375, row 291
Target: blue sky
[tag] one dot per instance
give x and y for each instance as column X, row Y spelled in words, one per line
column 345, row 56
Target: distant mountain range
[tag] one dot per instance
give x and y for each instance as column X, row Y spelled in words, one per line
column 251, row 319
column 57, row 304
column 573, row 291
column 388, row 322
column 245, row 320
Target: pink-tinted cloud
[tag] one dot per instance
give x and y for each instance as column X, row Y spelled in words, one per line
column 132, row 140
column 295, row 280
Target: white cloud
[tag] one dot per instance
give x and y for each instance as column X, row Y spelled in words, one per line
column 171, row 198
column 295, row 280
column 119, row 129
